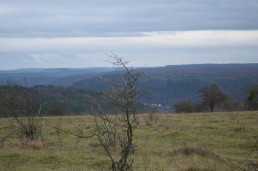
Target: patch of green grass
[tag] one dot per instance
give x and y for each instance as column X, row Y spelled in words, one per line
column 207, row 141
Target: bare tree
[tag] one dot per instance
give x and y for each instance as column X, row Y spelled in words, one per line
column 116, row 131
column 20, row 105
column 212, row 95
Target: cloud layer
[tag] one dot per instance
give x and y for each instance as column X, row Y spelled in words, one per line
column 78, row 33
column 147, row 49
column 65, row 18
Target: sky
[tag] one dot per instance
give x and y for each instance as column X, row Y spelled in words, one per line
column 81, row 33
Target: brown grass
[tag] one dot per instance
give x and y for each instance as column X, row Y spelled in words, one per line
column 35, row 145
column 176, row 142
column 196, row 149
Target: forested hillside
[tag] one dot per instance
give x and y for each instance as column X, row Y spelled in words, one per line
column 166, row 85
column 53, row 100
column 171, row 84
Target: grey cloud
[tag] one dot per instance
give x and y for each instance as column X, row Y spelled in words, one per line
column 61, row 18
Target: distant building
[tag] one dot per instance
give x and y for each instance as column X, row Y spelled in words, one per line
column 154, row 105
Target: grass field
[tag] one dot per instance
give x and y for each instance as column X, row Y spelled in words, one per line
column 203, row 141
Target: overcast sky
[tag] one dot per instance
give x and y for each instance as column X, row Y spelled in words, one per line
column 79, row 33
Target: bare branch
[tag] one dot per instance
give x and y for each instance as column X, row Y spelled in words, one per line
column 119, row 127
column 74, row 134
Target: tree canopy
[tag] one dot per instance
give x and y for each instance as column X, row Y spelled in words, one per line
column 252, row 97
column 212, row 95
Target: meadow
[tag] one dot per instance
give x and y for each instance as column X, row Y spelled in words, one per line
column 187, row 142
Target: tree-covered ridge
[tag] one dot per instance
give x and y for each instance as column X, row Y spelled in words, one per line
column 166, row 85
column 54, row 100
column 172, row 84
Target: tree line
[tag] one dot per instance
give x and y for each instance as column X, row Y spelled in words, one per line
column 212, row 97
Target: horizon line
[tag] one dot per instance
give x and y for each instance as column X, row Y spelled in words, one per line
column 45, row 68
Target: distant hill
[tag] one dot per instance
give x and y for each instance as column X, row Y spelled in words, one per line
column 50, row 76
column 166, row 85
column 174, row 83
column 73, row 100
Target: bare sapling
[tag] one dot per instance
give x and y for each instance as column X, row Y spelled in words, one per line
column 116, row 130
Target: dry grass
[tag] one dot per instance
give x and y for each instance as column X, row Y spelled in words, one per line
column 218, row 141
column 34, row 145
column 196, row 149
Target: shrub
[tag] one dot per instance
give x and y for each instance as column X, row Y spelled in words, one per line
column 187, row 106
